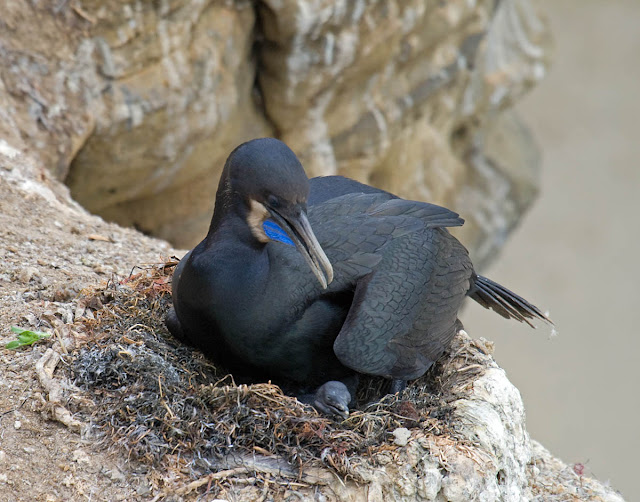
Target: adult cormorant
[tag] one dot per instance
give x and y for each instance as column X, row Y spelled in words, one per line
column 309, row 283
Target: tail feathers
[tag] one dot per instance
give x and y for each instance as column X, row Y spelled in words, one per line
column 492, row 295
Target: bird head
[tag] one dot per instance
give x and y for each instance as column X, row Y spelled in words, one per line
column 269, row 178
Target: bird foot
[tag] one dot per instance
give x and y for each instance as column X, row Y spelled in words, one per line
column 333, row 398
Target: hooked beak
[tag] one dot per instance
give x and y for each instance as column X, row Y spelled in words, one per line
column 299, row 230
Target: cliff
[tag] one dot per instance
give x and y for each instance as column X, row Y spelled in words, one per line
column 136, row 105
column 129, row 109
column 111, row 408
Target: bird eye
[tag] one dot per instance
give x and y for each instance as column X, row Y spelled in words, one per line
column 273, row 201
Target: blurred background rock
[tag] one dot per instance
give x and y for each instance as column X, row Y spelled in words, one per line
column 578, row 251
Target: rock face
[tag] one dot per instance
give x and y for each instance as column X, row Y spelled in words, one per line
column 405, row 95
column 137, row 104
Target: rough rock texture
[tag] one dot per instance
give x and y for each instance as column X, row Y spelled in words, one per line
column 50, row 248
column 406, row 96
column 137, row 104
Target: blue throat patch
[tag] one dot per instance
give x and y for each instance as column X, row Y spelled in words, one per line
column 275, row 232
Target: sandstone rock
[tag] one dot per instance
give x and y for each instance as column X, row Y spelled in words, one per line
column 137, row 104
column 172, row 86
column 405, row 95
column 131, row 102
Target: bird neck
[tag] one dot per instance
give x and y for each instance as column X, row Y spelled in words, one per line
column 230, row 213
column 224, row 202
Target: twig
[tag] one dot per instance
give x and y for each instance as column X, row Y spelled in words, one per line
column 45, row 367
column 194, row 485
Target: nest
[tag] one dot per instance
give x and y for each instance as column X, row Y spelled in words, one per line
column 168, row 406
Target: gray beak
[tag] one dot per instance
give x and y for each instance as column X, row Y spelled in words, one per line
column 299, row 231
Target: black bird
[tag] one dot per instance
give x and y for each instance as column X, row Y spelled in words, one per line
column 309, row 283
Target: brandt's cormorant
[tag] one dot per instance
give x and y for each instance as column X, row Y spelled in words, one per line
column 309, row 283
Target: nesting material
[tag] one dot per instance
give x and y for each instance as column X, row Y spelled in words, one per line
column 169, row 407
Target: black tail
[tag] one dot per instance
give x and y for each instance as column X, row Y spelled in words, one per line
column 492, row 295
